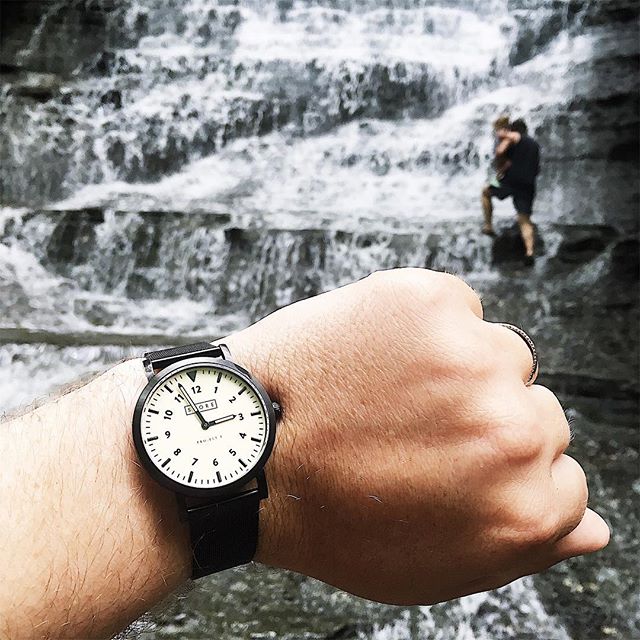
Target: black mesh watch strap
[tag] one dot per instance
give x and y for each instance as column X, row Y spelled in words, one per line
column 224, row 531
column 224, row 534
column 158, row 360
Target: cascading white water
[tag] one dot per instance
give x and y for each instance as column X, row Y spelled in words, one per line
column 201, row 75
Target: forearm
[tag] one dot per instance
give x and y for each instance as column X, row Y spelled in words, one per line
column 89, row 542
column 506, row 140
column 501, row 149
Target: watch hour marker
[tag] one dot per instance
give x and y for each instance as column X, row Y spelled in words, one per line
column 256, row 413
column 153, row 411
column 190, row 476
column 256, row 440
column 166, row 462
column 218, row 476
column 168, row 388
column 152, row 438
column 192, row 375
column 242, row 462
column 219, row 377
column 242, row 391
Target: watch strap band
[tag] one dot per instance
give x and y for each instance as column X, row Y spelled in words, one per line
column 155, row 361
column 223, row 532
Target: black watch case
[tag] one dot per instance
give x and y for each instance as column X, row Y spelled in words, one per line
column 209, row 492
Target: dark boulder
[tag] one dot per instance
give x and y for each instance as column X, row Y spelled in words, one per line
column 582, row 243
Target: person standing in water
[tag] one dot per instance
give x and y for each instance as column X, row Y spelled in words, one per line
column 518, row 157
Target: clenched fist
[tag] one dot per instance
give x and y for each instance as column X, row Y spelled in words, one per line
column 412, row 464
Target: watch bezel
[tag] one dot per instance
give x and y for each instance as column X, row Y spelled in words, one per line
column 205, row 492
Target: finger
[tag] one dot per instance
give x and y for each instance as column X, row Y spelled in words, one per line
column 517, row 354
column 571, row 493
column 591, row 534
column 551, row 418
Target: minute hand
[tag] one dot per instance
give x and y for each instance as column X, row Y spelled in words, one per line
column 203, row 422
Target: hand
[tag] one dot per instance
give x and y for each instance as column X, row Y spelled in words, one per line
column 203, row 422
column 412, row 465
column 220, row 420
column 508, row 135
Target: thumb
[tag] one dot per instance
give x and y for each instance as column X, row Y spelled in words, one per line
column 592, row 534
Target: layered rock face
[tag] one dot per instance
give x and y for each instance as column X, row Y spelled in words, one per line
column 175, row 170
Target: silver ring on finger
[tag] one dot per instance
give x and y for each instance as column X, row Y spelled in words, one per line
column 532, row 347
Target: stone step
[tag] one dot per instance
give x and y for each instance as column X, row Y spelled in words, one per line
column 151, row 273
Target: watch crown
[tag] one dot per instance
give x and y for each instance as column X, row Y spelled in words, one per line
column 278, row 409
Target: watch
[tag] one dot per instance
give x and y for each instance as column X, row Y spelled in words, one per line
column 204, row 428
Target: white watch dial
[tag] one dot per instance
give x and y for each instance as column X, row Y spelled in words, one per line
column 204, row 427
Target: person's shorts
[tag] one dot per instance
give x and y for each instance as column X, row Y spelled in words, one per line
column 522, row 195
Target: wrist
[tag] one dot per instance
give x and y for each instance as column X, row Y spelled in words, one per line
column 76, row 453
column 153, row 553
column 281, row 522
column 153, row 509
column 230, row 534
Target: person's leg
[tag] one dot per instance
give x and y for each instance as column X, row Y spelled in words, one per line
column 523, row 203
column 487, row 210
column 527, row 233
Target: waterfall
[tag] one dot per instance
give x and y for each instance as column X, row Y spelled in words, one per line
column 174, row 170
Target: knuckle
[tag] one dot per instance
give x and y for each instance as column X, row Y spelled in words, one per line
column 549, row 405
column 545, row 395
column 539, row 525
column 470, row 292
column 407, row 288
column 446, row 285
column 392, row 281
column 378, row 278
column 546, row 398
column 580, row 479
column 456, row 290
column 530, row 523
column 518, row 440
column 413, row 284
column 564, row 435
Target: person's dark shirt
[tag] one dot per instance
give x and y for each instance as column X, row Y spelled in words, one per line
column 525, row 162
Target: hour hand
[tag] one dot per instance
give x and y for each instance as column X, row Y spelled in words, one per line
column 231, row 416
column 183, row 391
